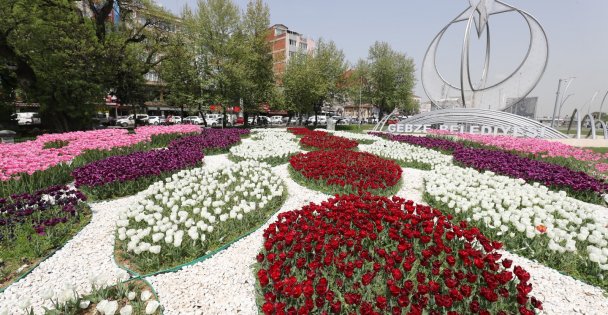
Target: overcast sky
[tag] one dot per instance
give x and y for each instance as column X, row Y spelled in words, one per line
column 577, row 31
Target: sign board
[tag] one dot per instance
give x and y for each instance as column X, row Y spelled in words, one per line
column 473, row 129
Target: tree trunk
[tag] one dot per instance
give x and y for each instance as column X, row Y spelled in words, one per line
column 246, row 119
column 224, row 115
column 200, row 112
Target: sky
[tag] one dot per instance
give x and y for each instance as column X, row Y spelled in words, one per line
column 577, row 31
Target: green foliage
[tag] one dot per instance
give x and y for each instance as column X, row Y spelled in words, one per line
column 385, row 79
column 57, row 144
column 312, row 79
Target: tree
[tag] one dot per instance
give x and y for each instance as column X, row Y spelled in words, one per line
column 54, row 58
column 179, row 73
column 65, row 59
column 259, row 80
column 386, row 79
column 312, row 79
column 215, row 30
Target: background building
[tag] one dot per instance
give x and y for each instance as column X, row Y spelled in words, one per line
column 526, row 107
column 285, row 44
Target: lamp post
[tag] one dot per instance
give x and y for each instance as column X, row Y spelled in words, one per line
column 559, row 113
column 557, row 95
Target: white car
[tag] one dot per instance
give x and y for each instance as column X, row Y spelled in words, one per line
column 193, row 120
column 29, row 118
column 217, row 122
column 276, row 120
column 130, row 120
column 156, row 120
column 321, row 120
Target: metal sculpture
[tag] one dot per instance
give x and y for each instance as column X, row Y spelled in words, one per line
column 593, row 123
column 516, row 86
column 484, row 117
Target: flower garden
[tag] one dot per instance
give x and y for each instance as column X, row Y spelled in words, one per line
column 186, row 220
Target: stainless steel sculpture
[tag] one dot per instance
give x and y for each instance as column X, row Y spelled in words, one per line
column 517, row 85
column 485, row 117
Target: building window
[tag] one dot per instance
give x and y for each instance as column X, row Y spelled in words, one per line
column 303, row 46
column 278, row 32
column 292, row 42
column 292, row 54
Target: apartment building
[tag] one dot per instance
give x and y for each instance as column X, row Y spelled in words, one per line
column 285, row 43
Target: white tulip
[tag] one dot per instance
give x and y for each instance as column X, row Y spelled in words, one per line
column 145, row 295
column 126, row 310
column 152, row 306
column 84, row 304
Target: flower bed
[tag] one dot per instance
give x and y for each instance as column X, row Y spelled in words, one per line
column 277, row 134
column 361, row 138
column 301, row 131
column 212, row 141
column 408, row 155
column 323, row 141
column 33, row 225
column 195, row 212
column 125, row 175
column 346, row 172
column 29, row 166
column 529, row 145
column 272, row 149
column 578, row 184
column 434, row 143
column 127, row 298
column 374, row 255
column 560, row 232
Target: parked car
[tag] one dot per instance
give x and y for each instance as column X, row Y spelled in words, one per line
column 27, row 118
column 240, row 121
column 156, row 120
column 176, row 120
column 130, row 120
column 193, row 120
column 321, row 120
column 276, row 120
column 217, row 122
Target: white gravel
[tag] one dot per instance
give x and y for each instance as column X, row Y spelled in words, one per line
column 87, row 255
column 224, row 284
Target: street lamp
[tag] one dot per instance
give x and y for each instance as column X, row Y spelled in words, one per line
column 559, row 113
column 557, row 95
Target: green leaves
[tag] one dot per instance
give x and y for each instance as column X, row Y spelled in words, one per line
column 385, row 79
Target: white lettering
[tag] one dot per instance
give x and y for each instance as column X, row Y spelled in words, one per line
column 474, row 129
column 486, row 129
column 408, row 128
column 391, row 128
column 444, row 127
column 454, row 128
column 426, row 128
column 400, row 128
